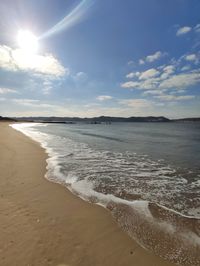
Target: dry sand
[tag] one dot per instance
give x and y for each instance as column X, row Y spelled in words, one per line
column 42, row 223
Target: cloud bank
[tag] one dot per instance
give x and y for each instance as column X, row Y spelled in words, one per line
column 183, row 30
column 18, row 60
column 104, row 97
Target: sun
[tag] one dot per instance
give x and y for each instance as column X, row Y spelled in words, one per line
column 27, row 41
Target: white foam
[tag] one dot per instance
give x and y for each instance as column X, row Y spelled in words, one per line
column 196, row 184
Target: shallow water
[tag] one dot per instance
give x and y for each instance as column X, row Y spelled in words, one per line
column 146, row 173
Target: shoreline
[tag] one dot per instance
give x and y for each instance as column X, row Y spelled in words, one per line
column 43, row 223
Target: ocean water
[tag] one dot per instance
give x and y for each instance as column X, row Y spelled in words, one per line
column 146, row 174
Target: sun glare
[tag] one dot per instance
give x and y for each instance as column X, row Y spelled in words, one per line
column 27, row 41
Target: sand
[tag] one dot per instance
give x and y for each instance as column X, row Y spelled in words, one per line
column 42, row 223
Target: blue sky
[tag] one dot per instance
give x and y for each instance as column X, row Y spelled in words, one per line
column 108, row 57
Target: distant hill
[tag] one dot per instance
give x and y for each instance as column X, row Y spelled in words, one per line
column 190, row 119
column 100, row 119
column 131, row 119
column 4, row 119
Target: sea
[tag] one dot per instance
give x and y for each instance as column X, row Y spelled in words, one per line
column 146, row 174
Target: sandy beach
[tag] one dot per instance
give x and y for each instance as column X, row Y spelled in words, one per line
column 42, row 223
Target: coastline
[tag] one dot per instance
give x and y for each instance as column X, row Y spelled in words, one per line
column 43, row 223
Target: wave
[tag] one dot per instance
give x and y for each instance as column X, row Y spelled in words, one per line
column 103, row 178
column 101, row 136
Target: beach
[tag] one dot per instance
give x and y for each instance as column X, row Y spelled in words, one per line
column 42, row 223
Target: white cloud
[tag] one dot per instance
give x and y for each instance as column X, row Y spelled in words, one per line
column 47, row 86
column 133, row 74
column 186, row 29
column 150, row 83
column 186, row 58
column 150, row 73
column 18, row 60
column 7, row 90
column 167, row 71
column 104, row 97
column 182, row 80
column 153, row 92
column 165, row 77
column 185, row 68
column 80, row 78
column 151, row 58
column 141, row 62
column 130, row 84
column 190, row 57
column 32, row 103
column 26, row 102
column 136, row 103
column 90, row 105
column 81, row 75
column 174, row 97
column 180, row 91
column 131, row 62
column 197, row 28
column 183, row 30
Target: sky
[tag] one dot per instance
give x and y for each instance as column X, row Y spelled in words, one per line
column 89, row 58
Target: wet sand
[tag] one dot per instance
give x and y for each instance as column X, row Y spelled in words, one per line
column 42, row 223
